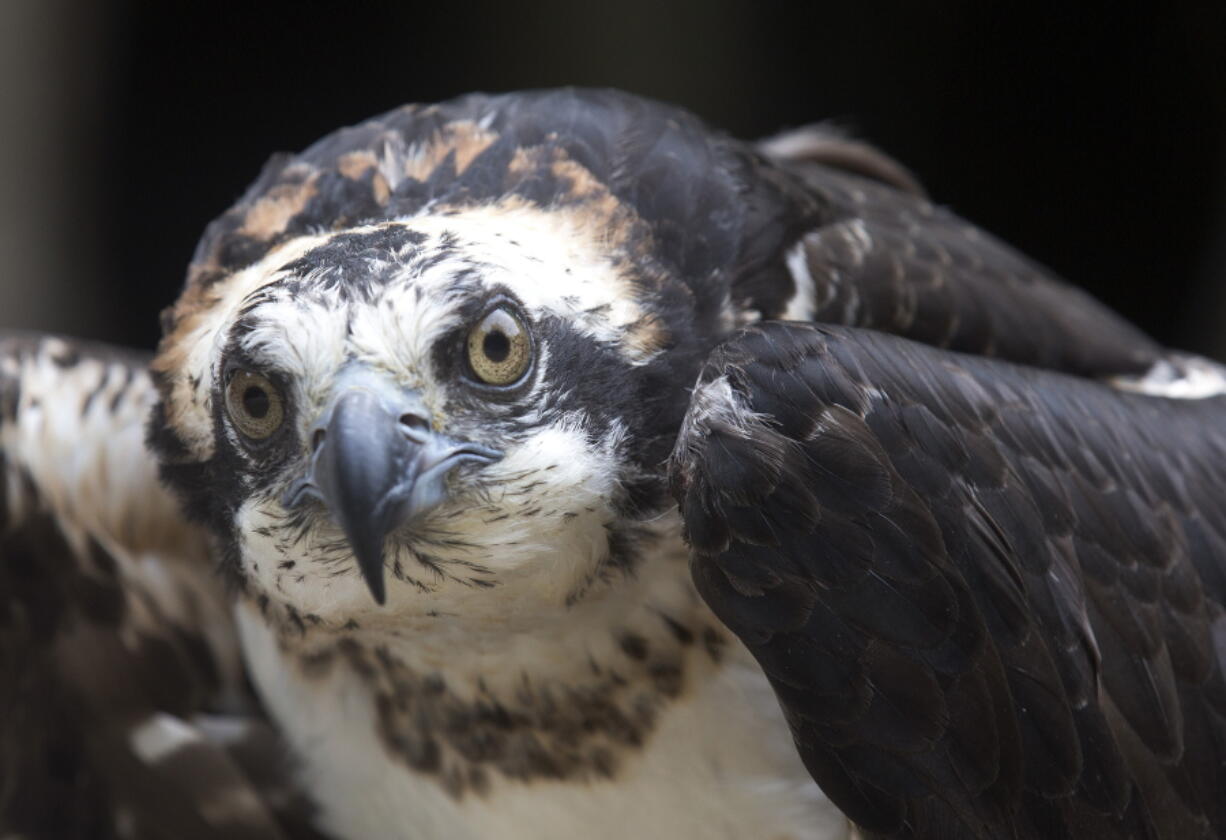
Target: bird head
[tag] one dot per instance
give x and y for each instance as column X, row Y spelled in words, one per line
column 421, row 374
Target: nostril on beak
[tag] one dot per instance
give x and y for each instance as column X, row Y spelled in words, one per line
column 414, row 421
column 317, row 440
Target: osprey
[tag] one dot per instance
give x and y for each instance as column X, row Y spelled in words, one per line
column 562, row 467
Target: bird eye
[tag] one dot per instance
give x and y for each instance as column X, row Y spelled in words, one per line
column 499, row 349
column 254, row 404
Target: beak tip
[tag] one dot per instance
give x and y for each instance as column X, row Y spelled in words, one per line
column 374, row 582
column 377, row 593
column 368, row 550
column 371, row 567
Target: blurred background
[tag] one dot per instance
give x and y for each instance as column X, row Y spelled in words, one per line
column 1094, row 139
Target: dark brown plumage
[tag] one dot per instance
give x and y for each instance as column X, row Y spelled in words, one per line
column 988, row 597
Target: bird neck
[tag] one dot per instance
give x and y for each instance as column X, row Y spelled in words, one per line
column 637, row 622
column 564, row 692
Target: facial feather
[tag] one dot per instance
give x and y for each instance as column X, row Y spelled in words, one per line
column 396, row 299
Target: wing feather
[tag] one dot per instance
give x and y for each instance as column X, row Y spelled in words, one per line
column 115, row 633
column 993, row 616
column 883, row 256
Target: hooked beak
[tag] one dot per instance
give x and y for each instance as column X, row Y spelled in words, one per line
column 377, row 464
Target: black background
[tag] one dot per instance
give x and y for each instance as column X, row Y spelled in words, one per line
column 1092, row 138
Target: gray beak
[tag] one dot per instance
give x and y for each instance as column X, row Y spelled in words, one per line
column 377, row 465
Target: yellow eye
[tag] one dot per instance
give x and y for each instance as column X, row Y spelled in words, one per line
column 499, row 349
column 254, row 404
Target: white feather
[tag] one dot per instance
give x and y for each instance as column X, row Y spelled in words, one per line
column 719, row 763
column 803, row 305
column 1177, row 377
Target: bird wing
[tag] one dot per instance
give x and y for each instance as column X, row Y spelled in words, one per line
column 988, row 597
column 883, row 256
column 123, row 707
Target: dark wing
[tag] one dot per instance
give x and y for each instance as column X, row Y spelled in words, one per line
column 883, row 256
column 123, row 707
column 989, row 598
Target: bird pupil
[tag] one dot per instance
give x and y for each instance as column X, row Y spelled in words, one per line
column 255, row 402
column 496, row 346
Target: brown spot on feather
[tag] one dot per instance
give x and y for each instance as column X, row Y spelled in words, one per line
column 362, row 164
column 271, row 213
column 647, row 336
column 463, row 140
column 535, row 729
column 634, row 646
column 356, row 164
column 680, row 632
column 714, row 643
